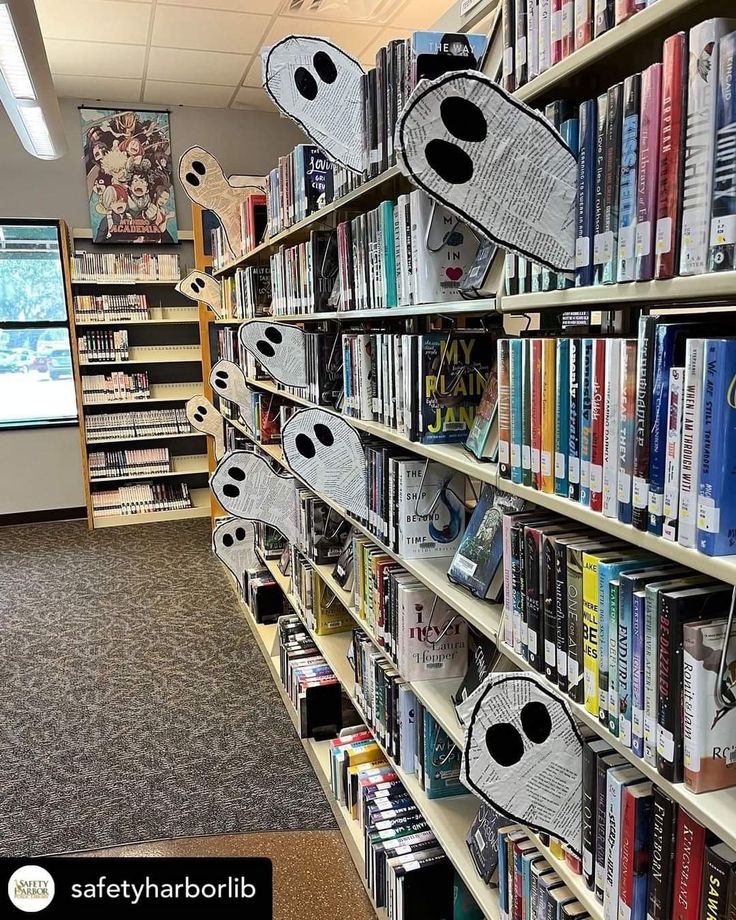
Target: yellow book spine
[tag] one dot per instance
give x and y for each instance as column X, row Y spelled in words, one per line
column 590, row 632
column 555, row 846
column 549, row 348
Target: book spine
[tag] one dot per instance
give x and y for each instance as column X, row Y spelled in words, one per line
column 611, row 422
column 670, row 507
column 613, row 843
column 589, row 773
column 590, row 633
column 548, row 411
column 560, row 615
column 516, row 373
column 625, row 660
column 626, row 873
column 517, row 588
column 508, row 20
column 601, row 792
column 674, row 89
column 583, row 23
column 586, row 410
column 662, row 854
column 548, row 625
column 526, row 413
column 585, row 203
column 646, row 185
column 688, row 871
column 715, row 896
column 573, row 461
column 609, row 702
column 545, row 35
column 604, row 11
column 638, row 626
column 575, row 620
column 669, row 734
column 504, row 408
column 690, row 448
column 614, row 119
column 626, row 267
column 640, row 480
column 627, row 417
column 597, row 424
column 534, row 620
column 532, row 38
column 599, row 209
column 556, row 33
column 520, row 43
column 722, row 251
column 562, row 416
column 536, row 412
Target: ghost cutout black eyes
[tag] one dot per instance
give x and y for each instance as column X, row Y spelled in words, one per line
column 305, row 445
column 504, row 741
column 199, row 169
column 220, row 381
column 465, row 122
column 304, row 81
column 266, row 348
column 197, row 285
column 229, row 539
column 200, row 413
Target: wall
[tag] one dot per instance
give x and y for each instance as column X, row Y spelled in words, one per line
column 41, row 469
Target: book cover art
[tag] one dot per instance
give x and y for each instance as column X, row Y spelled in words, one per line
column 722, row 252
column 435, row 53
column 482, row 440
column 441, row 762
column 480, row 554
column 433, row 640
column 431, row 518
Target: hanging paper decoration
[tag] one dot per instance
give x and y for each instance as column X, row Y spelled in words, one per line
column 228, row 380
column 319, row 87
column 523, row 755
column 326, row 452
column 496, row 163
column 204, row 417
column 201, row 287
column 279, row 348
column 234, row 544
column 246, row 487
column 204, row 181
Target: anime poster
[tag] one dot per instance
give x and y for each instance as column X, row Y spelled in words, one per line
column 127, row 157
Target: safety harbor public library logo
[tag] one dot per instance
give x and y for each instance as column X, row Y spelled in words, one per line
column 31, row 888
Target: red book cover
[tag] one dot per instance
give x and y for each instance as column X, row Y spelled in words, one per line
column 568, row 28
column 646, row 185
column 536, row 353
column 627, row 847
column 596, row 431
column 556, row 30
column 583, row 23
column 251, row 232
column 669, row 196
column 688, row 875
column 625, row 9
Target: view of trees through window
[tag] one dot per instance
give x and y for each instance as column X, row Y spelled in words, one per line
column 36, row 382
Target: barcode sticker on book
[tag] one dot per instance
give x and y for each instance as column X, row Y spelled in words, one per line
column 665, row 744
column 574, row 469
column 561, row 663
column 526, row 456
column 709, row 517
column 624, row 486
column 508, row 61
column 503, row 451
column 515, row 455
column 596, row 477
column 521, row 51
column 644, row 238
column 656, row 503
column 531, row 641
column 535, row 458
column 573, row 673
column 556, row 27
column 582, row 251
column 626, row 242
column 479, row 841
column 723, row 230
column 649, row 729
column 637, row 722
column 465, row 565
column 600, row 7
column 550, row 652
column 641, row 490
column 582, row 8
column 559, row 464
column 603, row 248
column 663, row 242
column 546, row 463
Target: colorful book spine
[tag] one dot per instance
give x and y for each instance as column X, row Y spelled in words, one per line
column 716, row 489
column 671, row 504
column 526, row 414
column 690, row 449
column 545, row 35
column 609, row 717
column 575, row 392
column 626, row 429
column 640, row 480
column 585, row 203
column 611, row 422
column 586, row 409
column 520, row 43
column 508, row 21
column 503, row 364
column 556, row 32
column 669, row 201
column 638, row 623
column 626, row 267
column 599, row 202
column 688, row 869
column 569, row 132
column 605, row 16
column 583, row 23
column 562, row 417
column 532, row 40
column 614, row 119
column 700, row 138
column 590, row 632
column 548, row 410
column 536, row 411
column 597, row 424
column 516, row 372
column 646, row 185
column 722, row 252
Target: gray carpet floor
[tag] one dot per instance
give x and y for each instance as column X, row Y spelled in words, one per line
column 134, row 702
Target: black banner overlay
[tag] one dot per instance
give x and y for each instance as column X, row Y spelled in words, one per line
column 136, row 887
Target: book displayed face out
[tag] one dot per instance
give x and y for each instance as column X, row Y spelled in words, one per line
column 233, row 542
column 202, row 287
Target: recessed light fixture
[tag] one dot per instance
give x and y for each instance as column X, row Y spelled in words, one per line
column 26, row 88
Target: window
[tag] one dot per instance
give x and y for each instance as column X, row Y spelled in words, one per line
column 36, row 378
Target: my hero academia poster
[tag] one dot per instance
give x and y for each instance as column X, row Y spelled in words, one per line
column 127, row 157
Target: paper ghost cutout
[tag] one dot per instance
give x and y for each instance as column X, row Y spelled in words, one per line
column 204, row 181
column 204, row 417
column 523, row 756
column 496, row 163
column 246, row 487
column 233, row 542
column 327, row 453
column 280, row 348
column 202, row 287
column 319, row 86
column 228, row 381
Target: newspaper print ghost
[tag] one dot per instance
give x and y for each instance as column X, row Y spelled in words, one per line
column 202, row 287
column 233, row 542
column 280, row 348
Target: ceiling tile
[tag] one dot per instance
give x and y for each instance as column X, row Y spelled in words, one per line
column 420, row 14
column 110, row 89
column 368, row 55
column 95, row 20
column 167, row 93
column 351, row 37
column 237, row 6
column 253, row 98
column 207, row 30
column 95, row 59
column 180, row 65
column 254, row 77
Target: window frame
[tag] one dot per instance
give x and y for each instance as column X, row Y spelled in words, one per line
column 71, row 421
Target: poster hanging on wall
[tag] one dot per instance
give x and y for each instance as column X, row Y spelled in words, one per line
column 127, row 159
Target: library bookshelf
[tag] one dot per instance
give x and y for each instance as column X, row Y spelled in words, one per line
column 584, row 73
column 165, row 345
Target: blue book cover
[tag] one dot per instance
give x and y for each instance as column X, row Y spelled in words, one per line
column 586, row 419
column 638, row 619
column 627, row 207
column 441, row 762
column 669, row 351
column 643, row 811
column 503, row 888
column 386, row 217
column 626, row 428
column 717, row 488
column 722, row 252
column 573, row 460
column 569, row 131
column 480, row 554
column 614, row 591
column 562, row 422
column 587, row 129
column 435, row 53
column 515, row 398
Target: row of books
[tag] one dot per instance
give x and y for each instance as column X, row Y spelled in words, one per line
column 537, row 34
column 103, row 345
column 406, row 870
column 103, row 388
column 638, row 429
column 114, row 307
column 303, row 276
column 247, row 292
column 628, row 635
column 321, row 609
column 142, row 498
column 125, row 266
column 106, row 426
column 252, row 230
column 321, row 531
column 298, row 186
column 143, row 462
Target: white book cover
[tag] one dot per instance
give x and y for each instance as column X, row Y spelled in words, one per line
column 611, row 417
column 618, row 777
column 702, row 95
column 436, row 534
column 532, row 29
column 545, row 35
column 432, row 639
column 672, row 454
column 444, row 250
column 690, row 451
column 407, row 731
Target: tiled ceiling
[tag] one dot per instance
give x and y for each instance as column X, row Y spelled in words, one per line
column 204, row 52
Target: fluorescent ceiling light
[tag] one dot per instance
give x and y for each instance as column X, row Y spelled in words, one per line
column 38, row 131
column 12, row 62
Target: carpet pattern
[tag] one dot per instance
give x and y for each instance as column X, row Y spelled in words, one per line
column 134, row 702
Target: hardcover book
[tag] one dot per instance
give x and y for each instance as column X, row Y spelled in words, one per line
column 722, row 253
